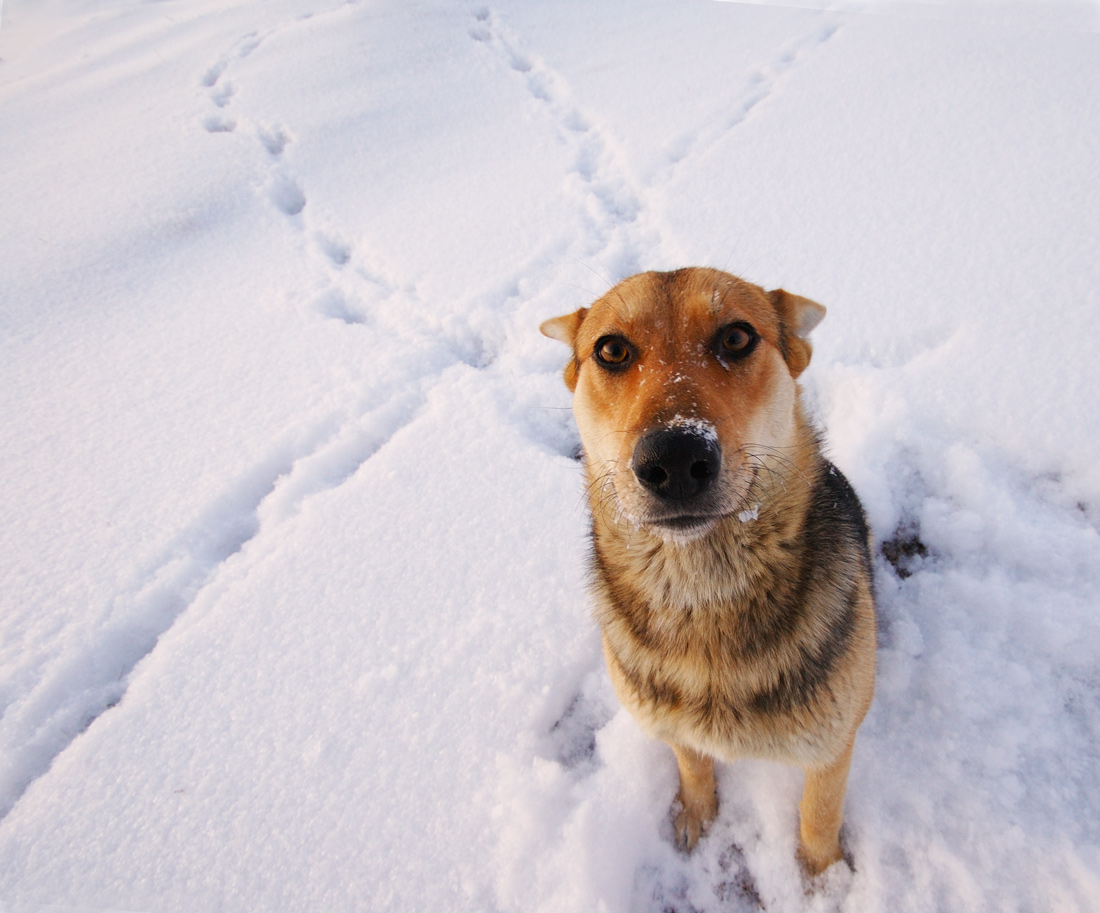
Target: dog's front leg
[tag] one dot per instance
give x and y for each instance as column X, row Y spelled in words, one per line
column 821, row 812
column 698, row 797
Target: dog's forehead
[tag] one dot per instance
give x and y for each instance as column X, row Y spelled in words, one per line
column 681, row 303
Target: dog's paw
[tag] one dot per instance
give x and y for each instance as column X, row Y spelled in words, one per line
column 814, row 863
column 688, row 831
column 690, row 824
column 833, row 880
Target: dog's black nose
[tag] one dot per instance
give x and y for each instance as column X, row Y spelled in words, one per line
column 677, row 463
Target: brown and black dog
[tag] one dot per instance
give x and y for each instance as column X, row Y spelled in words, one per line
column 731, row 562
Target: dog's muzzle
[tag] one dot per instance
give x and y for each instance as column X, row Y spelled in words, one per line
column 677, row 464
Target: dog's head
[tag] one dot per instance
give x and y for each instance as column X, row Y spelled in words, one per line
column 684, row 393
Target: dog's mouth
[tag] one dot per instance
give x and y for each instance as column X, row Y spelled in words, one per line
column 684, row 523
column 684, row 528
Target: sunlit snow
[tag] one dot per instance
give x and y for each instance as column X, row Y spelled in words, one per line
column 292, row 606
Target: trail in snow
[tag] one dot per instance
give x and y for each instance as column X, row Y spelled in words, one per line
column 616, row 233
column 87, row 683
column 760, row 84
column 623, row 234
column 308, row 461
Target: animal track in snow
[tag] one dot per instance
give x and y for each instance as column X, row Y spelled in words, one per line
column 94, row 678
column 334, row 304
column 239, row 51
column 336, row 250
column 215, row 123
column 282, row 189
column 285, row 193
column 214, row 73
column 481, row 31
column 904, row 550
column 314, row 457
column 733, row 886
column 249, row 43
column 759, row 86
column 221, row 91
column 613, row 203
column 346, row 290
column 572, row 736
column 273, row 139
column 222, row 94
column 610, row 203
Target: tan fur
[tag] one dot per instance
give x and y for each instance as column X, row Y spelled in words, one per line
column 740, row 621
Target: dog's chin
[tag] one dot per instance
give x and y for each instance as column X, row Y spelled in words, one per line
column 682, row 530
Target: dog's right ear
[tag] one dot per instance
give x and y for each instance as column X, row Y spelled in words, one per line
column 564, row 329
column 798, row 316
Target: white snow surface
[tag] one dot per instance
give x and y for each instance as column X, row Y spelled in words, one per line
column 292, row 588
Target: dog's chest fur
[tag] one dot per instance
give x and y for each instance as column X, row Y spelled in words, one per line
column 733, row 643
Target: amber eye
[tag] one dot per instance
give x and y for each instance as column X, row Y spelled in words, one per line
column 613, row 353
column 735, row 341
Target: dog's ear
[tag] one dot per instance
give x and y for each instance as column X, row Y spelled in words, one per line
column 564, row 329
column 797, row 317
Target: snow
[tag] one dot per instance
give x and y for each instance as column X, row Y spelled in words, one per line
column 292, row 606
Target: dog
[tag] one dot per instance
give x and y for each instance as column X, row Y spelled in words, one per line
column 730, row 561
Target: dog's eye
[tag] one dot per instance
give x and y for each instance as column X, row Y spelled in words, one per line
column 613, row 352
column 735, row 341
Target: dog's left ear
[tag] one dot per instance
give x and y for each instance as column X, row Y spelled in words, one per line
column 564, row 329
column 797, row 317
